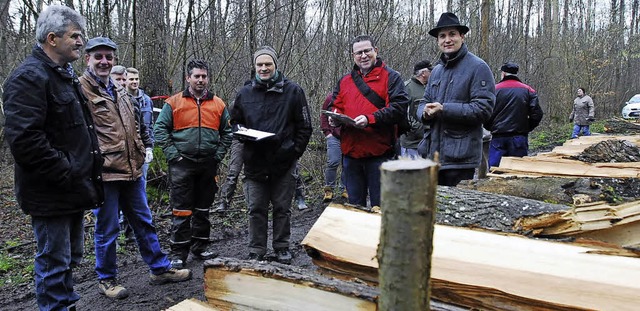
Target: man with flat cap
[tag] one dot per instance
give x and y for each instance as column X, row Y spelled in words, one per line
column 122, row 143
column 410, row 140
column 516, row 113
column 459, row 98
column 275, row 104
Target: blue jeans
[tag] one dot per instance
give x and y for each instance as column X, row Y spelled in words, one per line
column 580, row 128
column 60, row 245
column 409, row 153
column 334, row 158
column 507, row 146
column 362, row 176
column 258, row 194
column 132, row 199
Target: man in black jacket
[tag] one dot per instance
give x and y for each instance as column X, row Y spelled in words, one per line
column 516, row 113
column 58, row 164
column 274, row 104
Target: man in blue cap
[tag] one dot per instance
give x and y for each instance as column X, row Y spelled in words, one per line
column 459, row 98
column 122, row 144
column 517, row 112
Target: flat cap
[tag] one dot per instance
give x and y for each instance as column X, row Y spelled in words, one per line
column 100, row 41
column 510, row 67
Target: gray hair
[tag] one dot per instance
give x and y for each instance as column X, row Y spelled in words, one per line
column 118, row 70
column 57, row 19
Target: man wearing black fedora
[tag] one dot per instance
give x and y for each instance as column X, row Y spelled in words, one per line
column 459, row 98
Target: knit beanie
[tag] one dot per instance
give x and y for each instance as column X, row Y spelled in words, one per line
column 266, row 50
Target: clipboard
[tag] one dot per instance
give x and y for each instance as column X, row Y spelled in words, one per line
column 341, row 118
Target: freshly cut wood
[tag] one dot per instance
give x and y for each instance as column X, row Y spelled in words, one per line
column 563, row 167
column 191, row 305
column 232, row 284
column 484, row 270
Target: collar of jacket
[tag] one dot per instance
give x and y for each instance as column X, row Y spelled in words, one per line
column 414, row 79
column 510, row 78
column 208, row 96
column 277, row 86
column 450, row 62
column 378, row 63
column 65, row 71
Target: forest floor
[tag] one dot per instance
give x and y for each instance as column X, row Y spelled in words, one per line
column 229, row 239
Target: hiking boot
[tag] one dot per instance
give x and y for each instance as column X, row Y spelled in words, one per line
column 223, row 206
column 328, row 194
column 301, row 204
column 172, row 275
column 254, row 256
column 283, row 256
column 111, row 289
column 203, row 255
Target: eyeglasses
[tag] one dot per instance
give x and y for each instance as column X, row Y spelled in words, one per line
column 365, row 52
column 98, row 56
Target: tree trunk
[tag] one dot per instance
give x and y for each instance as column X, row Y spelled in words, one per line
column 406, row 236
column 153, row 46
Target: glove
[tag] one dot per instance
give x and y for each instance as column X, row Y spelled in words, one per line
column 591, row 119
column 148, row 157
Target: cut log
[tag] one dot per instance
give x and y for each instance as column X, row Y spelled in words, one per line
column 408, row 195
column 621, row 126
column 484, row 270
column 560, row 190
column 469, row 208
column 233, row 284
column 191, row 305
column 545, row 166
column 611, row 150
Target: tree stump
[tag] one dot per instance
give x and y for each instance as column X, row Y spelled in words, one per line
column 406, row 237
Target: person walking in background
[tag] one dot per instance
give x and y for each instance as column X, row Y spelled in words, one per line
column 194, row 133
column 516, row 113
column 458, row 100
column 334, row 155
column 58, row 164
column 121, row 142
column 144, row 104
column 583, row 114
column 373, row 95
column 415, row 88
column 274, row 104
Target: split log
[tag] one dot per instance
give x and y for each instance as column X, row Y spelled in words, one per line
column 233, row 284
column 484, row 270
column 560, row 190
column 408, row 215
column 545, row 166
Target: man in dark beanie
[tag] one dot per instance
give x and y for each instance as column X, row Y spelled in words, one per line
column 458, row 100
column 274, row 104
column 516, row 113
column 415, row 88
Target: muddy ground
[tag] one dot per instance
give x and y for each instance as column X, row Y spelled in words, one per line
column 229, row 239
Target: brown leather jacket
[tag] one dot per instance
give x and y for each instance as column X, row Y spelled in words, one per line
column 118, row 133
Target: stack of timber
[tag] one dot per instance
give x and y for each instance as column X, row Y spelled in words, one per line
column 233, row 284
column 483, row 270
column 560, row 161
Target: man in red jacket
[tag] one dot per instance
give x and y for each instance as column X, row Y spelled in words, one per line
column 371, row 139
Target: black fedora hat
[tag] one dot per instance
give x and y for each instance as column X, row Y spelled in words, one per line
column 447, row 20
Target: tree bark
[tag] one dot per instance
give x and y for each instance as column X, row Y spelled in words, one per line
column 406, row 236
